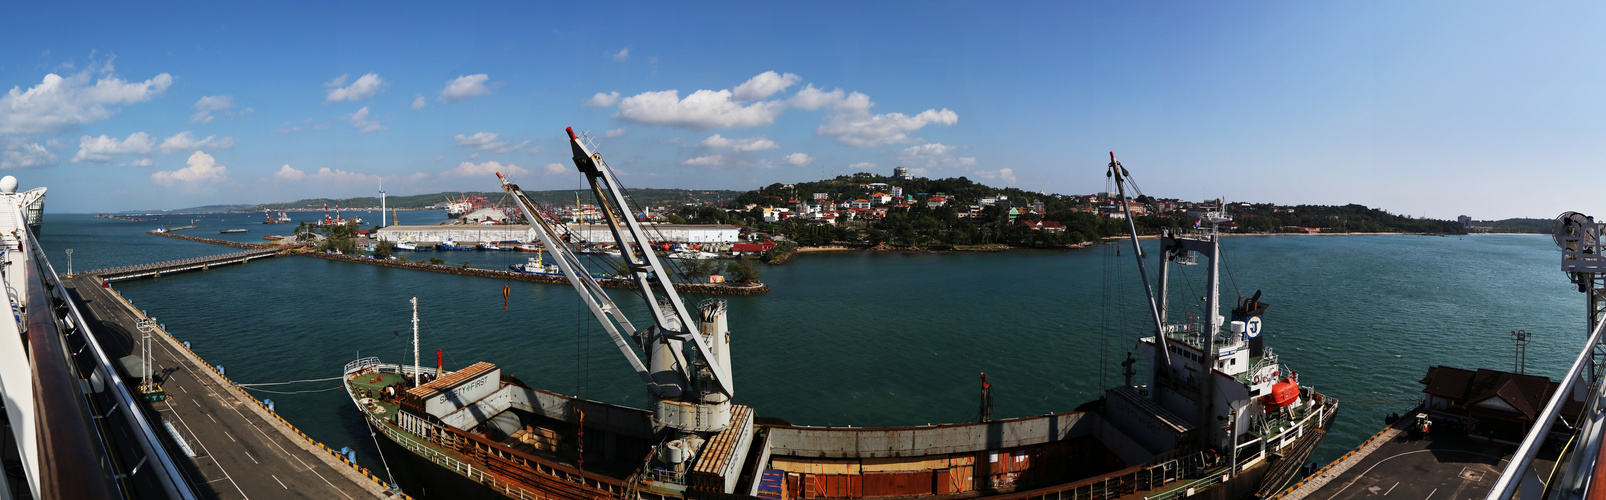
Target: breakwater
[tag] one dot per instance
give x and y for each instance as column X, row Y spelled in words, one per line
column 122, row 218
column 694, row 288
column 235, row 244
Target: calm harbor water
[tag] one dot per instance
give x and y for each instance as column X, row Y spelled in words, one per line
column 866, row 339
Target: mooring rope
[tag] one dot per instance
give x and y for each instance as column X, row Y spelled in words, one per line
column 290, row 392
column 291, row 382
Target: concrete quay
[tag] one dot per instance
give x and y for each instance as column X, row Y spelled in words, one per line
column 230, row 446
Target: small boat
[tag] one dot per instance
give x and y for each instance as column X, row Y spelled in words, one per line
column 530, row 247
column 491, row 247
column 689, row 254
column 234, row 231
column 535, row 266
column 452, row 245
column 405, row 246
column 273, row 237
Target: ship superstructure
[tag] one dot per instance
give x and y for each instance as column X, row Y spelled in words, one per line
column 1212, row 380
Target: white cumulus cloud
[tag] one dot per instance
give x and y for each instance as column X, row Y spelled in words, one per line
column 286, row 173
column 487, row 141
column 464, row 87
column 863, row 165
column 418, row 101
column 764, row 85
column 615, row 133
column 760, row 143
column 58, row 103
column 360, row 121
column 1003, row 174
column 602, row 100
column 623, row 55
column 555, row 168
column 142, row 162
column 813, row 98
column 487, row 169
column 478, row 139
column 851, row 123
column 703, row 109
column 27, row 156
column 935, row 155
column 799, row 159
column 186, row 141
column 365, row 86
column 211, row 104
column 101, row 149
column 201, row 169
column 706, row 161
column 327, row 176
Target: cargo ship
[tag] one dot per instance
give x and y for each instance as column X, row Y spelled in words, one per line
column 1219, row 416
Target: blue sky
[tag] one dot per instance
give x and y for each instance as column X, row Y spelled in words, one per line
column 1428, row 109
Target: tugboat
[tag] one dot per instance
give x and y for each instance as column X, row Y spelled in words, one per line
column 1219, row 417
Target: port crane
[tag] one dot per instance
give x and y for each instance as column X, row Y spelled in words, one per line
column 690, row 396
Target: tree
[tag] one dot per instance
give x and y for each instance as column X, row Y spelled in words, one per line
column 465, row 264
column 384, row 249
column 437, row 260
column 693, row 270
column 743, row 270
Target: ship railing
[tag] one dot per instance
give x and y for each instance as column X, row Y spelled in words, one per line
column 1510, row 478
column 465, row 469
column 67, row 412
column 362, row 364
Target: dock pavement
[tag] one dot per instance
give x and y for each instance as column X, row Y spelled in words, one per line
column 232, row 447
column 1394, row 465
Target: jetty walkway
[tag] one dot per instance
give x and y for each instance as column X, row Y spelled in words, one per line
column 230, row 444
column 258, row 251
column 158, row 269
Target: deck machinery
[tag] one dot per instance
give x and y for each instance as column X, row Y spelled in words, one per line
column 690, row 397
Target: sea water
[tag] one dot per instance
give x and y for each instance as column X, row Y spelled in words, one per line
column 861, row 338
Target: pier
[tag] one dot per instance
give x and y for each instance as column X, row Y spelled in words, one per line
column 228, row 444
column 178, row 266
column 1397, row 464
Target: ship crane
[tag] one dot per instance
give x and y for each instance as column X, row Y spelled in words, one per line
column 691, row 397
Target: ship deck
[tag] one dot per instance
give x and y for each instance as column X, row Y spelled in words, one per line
column 371, row 383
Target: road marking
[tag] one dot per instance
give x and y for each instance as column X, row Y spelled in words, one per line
column 281, row 483
column 1430, row 493
column 186, row 391
column 1391, row 488
column 231, row 437
column 209, row 415
column 253, row 459
column 208, row 452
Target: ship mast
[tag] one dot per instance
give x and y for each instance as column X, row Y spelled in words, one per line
column 1120, row 175
column 415, row 342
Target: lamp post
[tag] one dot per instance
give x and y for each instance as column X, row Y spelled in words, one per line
column 69, row 262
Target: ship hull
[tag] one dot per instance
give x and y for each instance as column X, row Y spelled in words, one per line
column 1023, row 467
